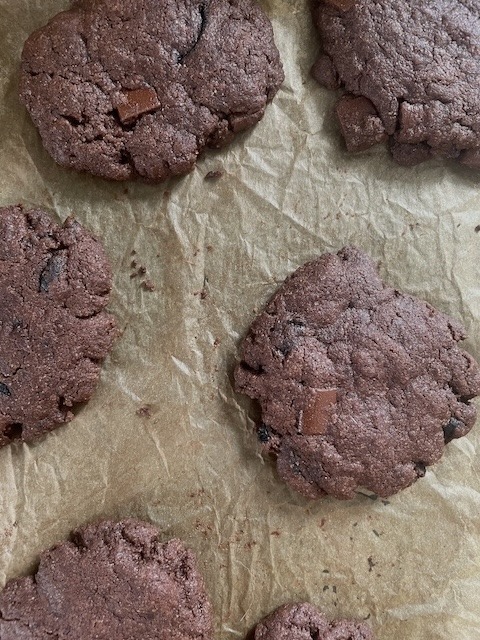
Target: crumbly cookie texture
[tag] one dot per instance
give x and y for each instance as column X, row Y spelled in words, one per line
column 408, row 70
column 138, row 88
column 360, row 386
column 55, row 283
column 113, row 580
column 302, row 621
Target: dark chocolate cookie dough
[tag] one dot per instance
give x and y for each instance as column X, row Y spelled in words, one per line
column 304, row 622
column 140, row 87
column 411, row 74
column 113, row 580
column 359, row 385
column 55, row 282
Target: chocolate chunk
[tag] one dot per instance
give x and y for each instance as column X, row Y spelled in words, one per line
column 136, row 103
column 453, row 429
column 319, row 411
column 420, row 469
column 360, row 124
column 418, row 63
column 113, row 580
column 303, row 621
column 263, row 433
column 4, row 390
column 372, row 376
column 54, row 286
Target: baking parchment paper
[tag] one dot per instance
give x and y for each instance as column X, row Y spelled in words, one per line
column 165, row 438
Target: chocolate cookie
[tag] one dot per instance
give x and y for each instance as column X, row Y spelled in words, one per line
column 114, row 580
column 140, row 87
column 54, row 285
column 303, row 622
column 359, row 384
column 410, row 71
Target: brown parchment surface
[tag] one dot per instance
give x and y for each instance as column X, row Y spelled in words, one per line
column 288, row 193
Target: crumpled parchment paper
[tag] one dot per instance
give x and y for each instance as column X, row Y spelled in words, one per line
column 165, row 438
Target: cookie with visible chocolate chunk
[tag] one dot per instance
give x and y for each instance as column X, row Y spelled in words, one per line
column 360, row 386
column 302, row 621
column 113, row 580
column 410, row 73
column 55, row 283
column 139, row 88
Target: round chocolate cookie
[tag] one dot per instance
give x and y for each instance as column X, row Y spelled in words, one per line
column 359, row 384
column 114, row 580
column 411, row 73
column 303, row 621
column 140, row 87
column 54, row 285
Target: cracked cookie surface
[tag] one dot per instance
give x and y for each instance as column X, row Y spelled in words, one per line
column 139, row 88
column 360, row 386
column 410, row 71
column 55, row 283
column 302, row 621
column 113, row 580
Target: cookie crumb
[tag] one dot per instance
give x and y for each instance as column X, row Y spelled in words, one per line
column 148, row 285
column 145, row 411
column 213, row 175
